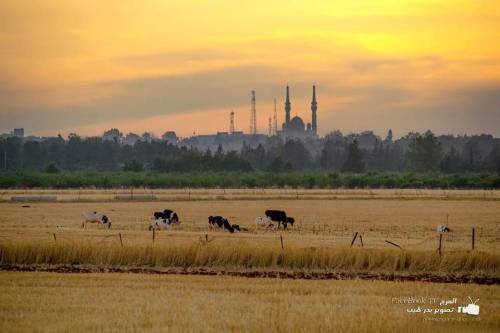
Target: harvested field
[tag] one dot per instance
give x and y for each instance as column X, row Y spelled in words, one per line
column 306, row 278
column 144, row 194
column 53, row 302
column 319, row 223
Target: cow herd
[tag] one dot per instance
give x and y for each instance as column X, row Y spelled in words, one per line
column 167, row 218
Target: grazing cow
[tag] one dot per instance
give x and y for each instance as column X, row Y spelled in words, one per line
column 164, row 219
column 237, row 227
column 280, row 217
column 220, row 222
column 263, row 222
column 442, row 229
column 95, row 217
column 159, row 224
column 168, row 215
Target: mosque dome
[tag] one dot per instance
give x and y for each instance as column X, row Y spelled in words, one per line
column 297, row 124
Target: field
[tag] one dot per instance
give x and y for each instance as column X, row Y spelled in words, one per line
column 135, row 302
column 328, row 283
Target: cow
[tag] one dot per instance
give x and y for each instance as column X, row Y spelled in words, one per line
column 220, row 222
column 237, row 227
column 280, row 217
column 442, row 229
column 95, row 217
column 167, row 214
column 164, row 219
column 263, row 222
column 159, row 224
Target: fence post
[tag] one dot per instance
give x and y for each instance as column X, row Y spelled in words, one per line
column 473, row 236
column 154, row 235
column 120, row 235
column 206, row 238
column 55, row 239
column 361, row 239
column 440, row 242
column 354, row 238
column 281, row 238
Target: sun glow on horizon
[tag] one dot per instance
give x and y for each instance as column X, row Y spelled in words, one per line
column 84, row 65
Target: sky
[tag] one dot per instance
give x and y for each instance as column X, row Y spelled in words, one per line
column 86, row 66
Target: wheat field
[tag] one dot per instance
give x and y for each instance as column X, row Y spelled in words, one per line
column 48, row 236
column 52, row 302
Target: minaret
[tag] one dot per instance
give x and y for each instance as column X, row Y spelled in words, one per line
column 288, row 106
column 314, row 108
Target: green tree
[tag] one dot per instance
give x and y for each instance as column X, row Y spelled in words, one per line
column 51, row 168
column 133, row 166
column 492, row 160
column 424, row 153
column 451, row 161
column 354, row 161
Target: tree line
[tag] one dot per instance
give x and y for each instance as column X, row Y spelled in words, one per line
column 358, row 153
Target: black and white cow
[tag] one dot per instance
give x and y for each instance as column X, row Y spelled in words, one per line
column 167, row 214
column 164, row 219
column 222, row 222
column 442, row 229
column 280, row 217
column 95, row 217
column 263, row 222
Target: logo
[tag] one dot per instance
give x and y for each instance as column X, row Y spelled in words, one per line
column 472, row 308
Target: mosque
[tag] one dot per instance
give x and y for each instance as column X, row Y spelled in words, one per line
column 295, row 128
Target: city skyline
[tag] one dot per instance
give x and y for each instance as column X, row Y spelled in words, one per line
column 159, row 66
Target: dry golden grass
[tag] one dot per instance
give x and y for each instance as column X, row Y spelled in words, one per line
column 241, row 256
column 319, row 242
column 320, row 223
column 88, row 194
column 52, row 302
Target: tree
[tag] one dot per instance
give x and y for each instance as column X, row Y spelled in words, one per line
column 451, row 161
column 354, row 161
column 471, row 155
column 296, row 154
column 51, row 168
column 278, row 165
column 492, row 160
column 133, row 166
column 424, row 153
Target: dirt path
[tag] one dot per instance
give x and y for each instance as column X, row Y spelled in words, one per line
column 424, row 277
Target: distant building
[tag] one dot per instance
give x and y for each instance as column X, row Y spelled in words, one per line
column 113, row 135
column 170, row 137
column 147, row 137
column 18, row 132
column 295, row 128
column 228, row 141
column 130, row 139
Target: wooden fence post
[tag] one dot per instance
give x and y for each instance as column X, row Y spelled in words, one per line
column 361, row 239
column 440, row 243
column 281, row 238
column 154, row 235
column 354, row 238
column 206, row 238
column 55, row 239
column 473, row 236
column 120, row 235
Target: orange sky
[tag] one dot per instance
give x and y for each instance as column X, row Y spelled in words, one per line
column 86, row 66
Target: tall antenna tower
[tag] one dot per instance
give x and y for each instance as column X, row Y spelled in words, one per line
column 270, row 127
column 253, row 116
column 275, row 120
column 231, row 122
